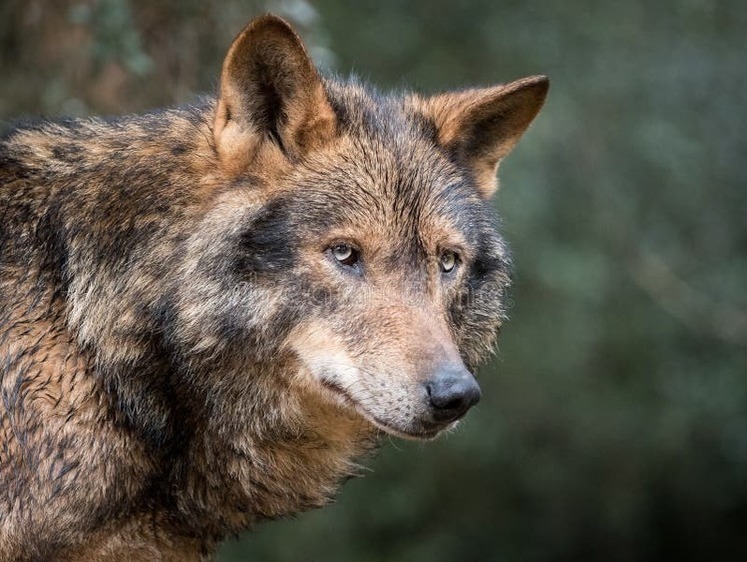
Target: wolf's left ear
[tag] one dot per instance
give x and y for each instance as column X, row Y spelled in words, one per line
column 480, row 127
column 270, row 92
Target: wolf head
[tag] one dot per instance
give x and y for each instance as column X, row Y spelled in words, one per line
column 357, row 244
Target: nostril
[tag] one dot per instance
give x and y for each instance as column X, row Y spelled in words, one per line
column 452, row 404
column 444, row 396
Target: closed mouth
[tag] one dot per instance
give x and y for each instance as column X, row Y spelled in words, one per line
column 426, row 433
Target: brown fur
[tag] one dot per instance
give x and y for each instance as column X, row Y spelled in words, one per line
column 181, row 354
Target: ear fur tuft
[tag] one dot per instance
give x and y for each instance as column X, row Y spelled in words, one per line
column 481, row 126
column 270, row 92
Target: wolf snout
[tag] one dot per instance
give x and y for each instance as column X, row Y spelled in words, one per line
column 451, row 392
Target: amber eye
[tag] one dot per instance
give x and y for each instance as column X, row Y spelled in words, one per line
column 448, row 261
column 345, row 254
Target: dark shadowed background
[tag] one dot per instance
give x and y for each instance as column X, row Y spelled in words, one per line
column 614, row 419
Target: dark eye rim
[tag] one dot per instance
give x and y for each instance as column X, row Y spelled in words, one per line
column 457, row 261
column 353, row 261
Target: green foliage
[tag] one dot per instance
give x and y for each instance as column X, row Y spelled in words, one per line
column 614, row 418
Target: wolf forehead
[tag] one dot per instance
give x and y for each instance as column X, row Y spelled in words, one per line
column 385, row 174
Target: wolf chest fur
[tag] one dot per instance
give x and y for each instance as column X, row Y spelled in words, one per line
column 209, row 314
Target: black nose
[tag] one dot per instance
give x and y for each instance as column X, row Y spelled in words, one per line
column 452, row 391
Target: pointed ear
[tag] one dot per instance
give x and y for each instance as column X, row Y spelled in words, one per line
column 270, row 92
column 480, row 127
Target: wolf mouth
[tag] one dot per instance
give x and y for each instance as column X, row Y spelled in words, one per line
column 426, row 433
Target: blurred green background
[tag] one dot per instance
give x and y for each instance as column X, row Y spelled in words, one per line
column 614, row 419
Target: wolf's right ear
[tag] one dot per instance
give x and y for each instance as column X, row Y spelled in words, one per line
column 270, row 92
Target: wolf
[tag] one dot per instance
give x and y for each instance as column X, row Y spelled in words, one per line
column 210, row 314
